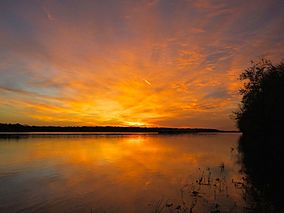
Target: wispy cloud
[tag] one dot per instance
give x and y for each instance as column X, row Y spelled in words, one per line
column 169, row 63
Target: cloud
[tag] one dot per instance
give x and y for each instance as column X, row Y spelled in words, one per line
column 172, row 63
column 48, row 14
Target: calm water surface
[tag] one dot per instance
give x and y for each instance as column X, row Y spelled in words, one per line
column 120, row 173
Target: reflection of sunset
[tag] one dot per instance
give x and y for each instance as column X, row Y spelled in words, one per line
column 114, row 170
column 139, row 152
column 153, row 63
column 136, row 140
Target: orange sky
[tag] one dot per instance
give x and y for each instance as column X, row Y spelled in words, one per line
column 148, row 62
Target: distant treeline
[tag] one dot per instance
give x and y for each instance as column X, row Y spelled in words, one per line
column 27, row 128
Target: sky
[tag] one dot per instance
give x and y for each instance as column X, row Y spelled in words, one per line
column 172, row 63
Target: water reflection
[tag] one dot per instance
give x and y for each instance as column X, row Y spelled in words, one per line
column 262, row 162
column 117, row 173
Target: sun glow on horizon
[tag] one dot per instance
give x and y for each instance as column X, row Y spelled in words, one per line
column 137, row 123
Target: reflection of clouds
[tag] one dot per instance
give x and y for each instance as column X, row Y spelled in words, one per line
column 119, row 63
column 151, row 152
column 94, row 167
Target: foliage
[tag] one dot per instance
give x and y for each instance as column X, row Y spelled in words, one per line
column 262, row 104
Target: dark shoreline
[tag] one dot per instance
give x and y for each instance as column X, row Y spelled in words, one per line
column 26, row 129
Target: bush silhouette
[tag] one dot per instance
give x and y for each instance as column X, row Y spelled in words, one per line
column 262, row 104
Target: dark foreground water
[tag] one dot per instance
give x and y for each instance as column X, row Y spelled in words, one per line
column 121, row 173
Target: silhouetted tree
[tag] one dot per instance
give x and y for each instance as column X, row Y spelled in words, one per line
column 262, row 104
column 260, row 118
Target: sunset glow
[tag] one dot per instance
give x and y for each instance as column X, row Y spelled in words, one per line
column 131, row 63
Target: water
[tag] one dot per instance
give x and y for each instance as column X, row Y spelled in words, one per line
column 120, row 173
